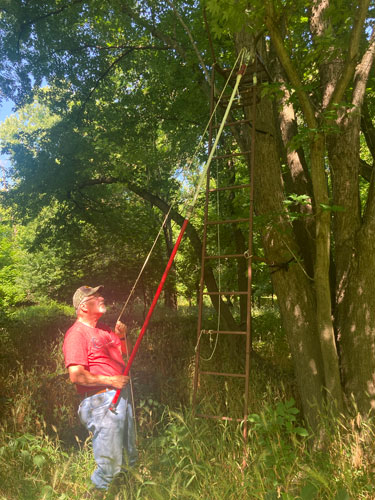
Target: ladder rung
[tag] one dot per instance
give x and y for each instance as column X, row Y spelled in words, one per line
column 229, row 124
column 219, row 157
column 217, row 417
column 226, row 256
column 238, row 100
column 237, row 104
column 229, row 188
column 226, row 332
column 228, row 221
column 236, row 375
column 225, row 293
column 246, row 90
column 251, row 69
column 242, row 103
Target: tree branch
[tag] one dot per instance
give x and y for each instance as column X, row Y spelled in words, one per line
column 368, row 128
column 353, row 51
column 104, row 74
column 362, row 72
column 366, row 170
column 152, row 29
column 288, row 65
column 191, row 232
column 44, row 16
column 208, row 80
column 116, row 47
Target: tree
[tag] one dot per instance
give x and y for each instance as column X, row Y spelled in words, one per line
column 327, row 103
column 311, row 117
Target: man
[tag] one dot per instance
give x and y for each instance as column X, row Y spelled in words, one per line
column 93, row 357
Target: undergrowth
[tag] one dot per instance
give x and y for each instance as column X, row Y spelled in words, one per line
column 46, row 454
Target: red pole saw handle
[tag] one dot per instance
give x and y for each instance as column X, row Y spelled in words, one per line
column 150, row 311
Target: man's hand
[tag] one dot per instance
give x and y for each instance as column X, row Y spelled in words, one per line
column 120, row 329
column 119, row 381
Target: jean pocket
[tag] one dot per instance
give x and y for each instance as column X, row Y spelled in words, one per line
column 83, row 411
column 99, row 400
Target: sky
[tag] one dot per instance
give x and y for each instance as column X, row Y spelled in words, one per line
column 5, row 110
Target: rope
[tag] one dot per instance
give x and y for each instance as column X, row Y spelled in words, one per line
column 241, row 56
column 126, row 303
column 244, row 57
column 219, row 273
column 297, row 260
column 144, row 264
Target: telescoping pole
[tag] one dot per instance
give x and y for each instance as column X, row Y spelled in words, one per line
column 178, row 241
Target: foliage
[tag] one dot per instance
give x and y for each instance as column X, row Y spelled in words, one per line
column 111, row 110
column 35, row 463
column 10, row 291
column 44, row 452
column 75, row 134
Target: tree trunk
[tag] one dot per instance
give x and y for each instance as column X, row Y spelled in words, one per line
column 292, row 286
column 357, row 324
column 170, row 291
column 322, row 284
column 355, row 319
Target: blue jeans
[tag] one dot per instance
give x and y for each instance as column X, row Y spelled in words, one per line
column 112, row 432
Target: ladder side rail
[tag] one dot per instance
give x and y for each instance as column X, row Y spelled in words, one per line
column 249, row 262
column 204, row 244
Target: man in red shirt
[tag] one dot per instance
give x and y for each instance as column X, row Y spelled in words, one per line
column 93, row 357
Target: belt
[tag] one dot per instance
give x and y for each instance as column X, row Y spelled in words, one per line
column 93, row 393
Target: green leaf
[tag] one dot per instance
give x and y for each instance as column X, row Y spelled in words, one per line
column 342, row 494
column 25, row 454
column 47, row 491
column 332, row 208
column 309, row 492
column 301, row 431
column 39, row 460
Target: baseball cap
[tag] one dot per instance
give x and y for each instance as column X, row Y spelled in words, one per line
column 83, row 292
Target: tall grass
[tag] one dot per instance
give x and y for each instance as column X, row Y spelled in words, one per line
column 46, row 454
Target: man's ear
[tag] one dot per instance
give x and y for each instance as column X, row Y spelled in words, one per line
column 82, row 307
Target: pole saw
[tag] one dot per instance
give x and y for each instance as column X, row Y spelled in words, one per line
column 190, row 210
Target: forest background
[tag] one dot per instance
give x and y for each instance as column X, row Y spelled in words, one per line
column 111, row 100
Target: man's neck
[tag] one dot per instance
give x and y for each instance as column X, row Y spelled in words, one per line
column 88, row 321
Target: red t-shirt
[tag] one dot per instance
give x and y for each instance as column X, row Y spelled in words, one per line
column 97, row 349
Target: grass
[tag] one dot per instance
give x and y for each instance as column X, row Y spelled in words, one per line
column 46, row 454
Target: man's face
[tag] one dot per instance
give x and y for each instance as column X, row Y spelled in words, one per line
column 94, row 305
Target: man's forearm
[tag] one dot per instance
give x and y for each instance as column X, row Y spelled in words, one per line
column 79, row 375
column 89, row 379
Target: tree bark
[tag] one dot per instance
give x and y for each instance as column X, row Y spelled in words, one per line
column 354, row 245
column 170, row 291
column 321, row 275
column 291, row 283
